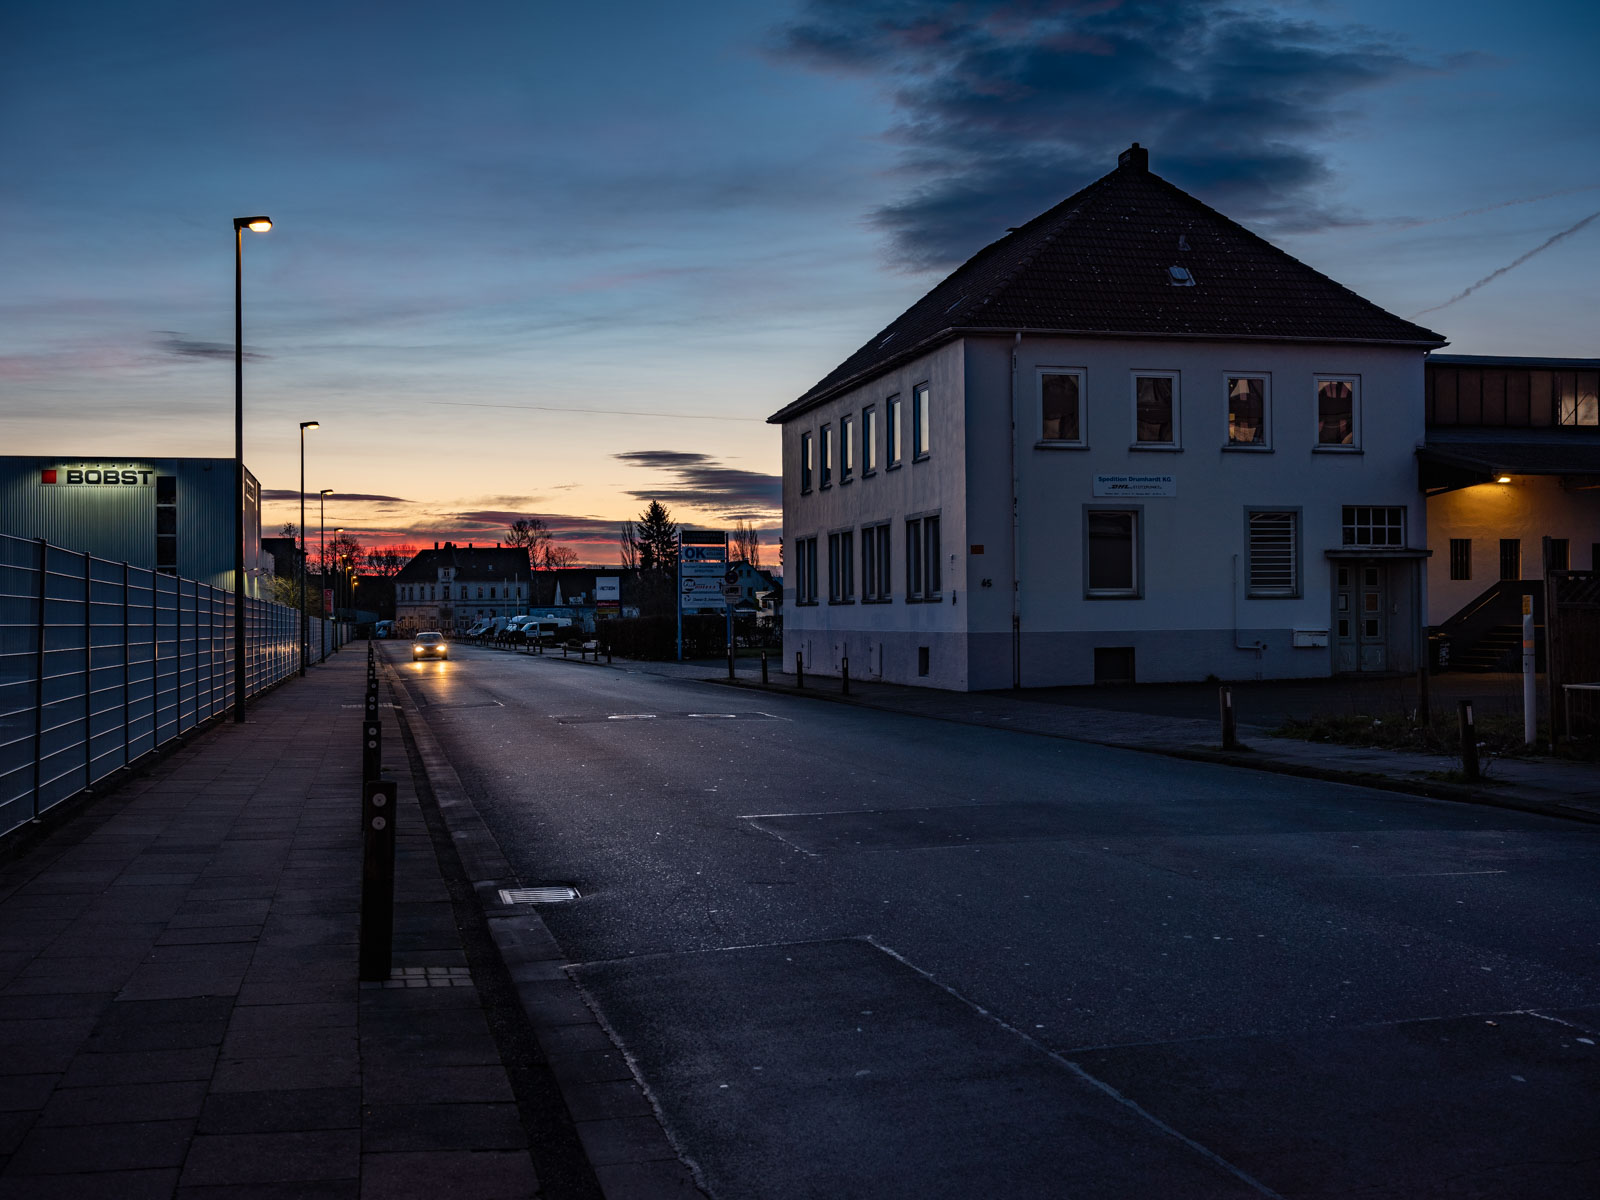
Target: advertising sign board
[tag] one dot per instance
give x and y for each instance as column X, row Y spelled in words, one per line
column 702, row 562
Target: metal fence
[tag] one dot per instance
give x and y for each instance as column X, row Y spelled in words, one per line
column 102, row 663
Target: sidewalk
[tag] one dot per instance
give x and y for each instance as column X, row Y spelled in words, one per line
column 179, row 1008
column 1161, row 719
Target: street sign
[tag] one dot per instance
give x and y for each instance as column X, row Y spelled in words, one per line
column 731, row 591
column 732, row 576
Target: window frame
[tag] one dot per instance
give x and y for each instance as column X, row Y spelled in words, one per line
column 1265, row 444
column 1295, row 589
column 1350, row 526
column 877, row 563
column 1318, row 446
column 895, row 429
column 807, row 462
column 1136, row 592
column 825, row 478
column 805, row 570
column 869, row 441
column 921, row 421
column 841, row 566
column 847, row 447
column 1172, row 377
column 1461, row 558
column 1081, row 442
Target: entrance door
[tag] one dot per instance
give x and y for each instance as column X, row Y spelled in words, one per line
column 1361, row 618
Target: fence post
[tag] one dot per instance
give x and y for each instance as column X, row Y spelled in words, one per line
column 1230, row 730
column 799, row 669
column 127, row 668
column 38, row 675
column 377, row 879
column 763, row 668
column 88, row 665
column 1469, row 741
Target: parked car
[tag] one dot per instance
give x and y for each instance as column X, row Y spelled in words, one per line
column 429, row 645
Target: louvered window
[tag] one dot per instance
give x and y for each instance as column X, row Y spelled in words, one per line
column 1274, row 560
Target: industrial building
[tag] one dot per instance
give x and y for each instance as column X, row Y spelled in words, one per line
column 171, row 515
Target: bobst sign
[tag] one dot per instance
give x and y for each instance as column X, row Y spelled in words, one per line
column 99, row 475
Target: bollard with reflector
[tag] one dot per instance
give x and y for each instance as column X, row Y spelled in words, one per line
column 844, row 675
column 377, row 879
column 1230, row 730
column 371, row 750
column 1469, row 741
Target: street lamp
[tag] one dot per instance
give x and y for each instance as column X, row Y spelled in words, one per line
column 255, row 225
column 322, row 563
column 305, row 630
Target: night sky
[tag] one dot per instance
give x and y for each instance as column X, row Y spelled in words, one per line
column 559, row 260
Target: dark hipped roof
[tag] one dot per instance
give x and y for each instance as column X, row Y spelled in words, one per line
column 474, row 564
column 1099, row 263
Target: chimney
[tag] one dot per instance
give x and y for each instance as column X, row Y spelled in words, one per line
column 1135, row 158
column 436, row 545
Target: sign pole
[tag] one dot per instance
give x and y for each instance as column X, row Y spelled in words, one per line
column 1530, row 695
column 677, row 595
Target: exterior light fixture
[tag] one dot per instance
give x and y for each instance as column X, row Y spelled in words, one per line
column 255, row 225
column 1504, row 479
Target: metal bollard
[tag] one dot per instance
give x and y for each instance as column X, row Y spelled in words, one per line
column 844, row 675
column 1469, row 742
column 763, row 668
column 608, row 654
column 799, row 670
column 1230, row 731
column 372, row 704
column 377, row 880
column 371, row 750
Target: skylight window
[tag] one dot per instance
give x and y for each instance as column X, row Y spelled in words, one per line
column 885, row 341
column 1180, row 276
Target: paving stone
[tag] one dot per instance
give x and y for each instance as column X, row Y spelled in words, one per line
column 658, row 1180
column 47, row 1030
column 140, row 1066
column 72, row 1149
column 100, row 1185
column 14, row 1127
column 624, row 1139
column 115, row 1103
column 236, row 1158
column 176, row 1009
column 320, row 1189
column 402, row 1127
column 595, row 1067
column 279, row 1018
column 25, row 1093
column 176, row 981
column 604, row 1100
column 281, row 1111
column 162, row 1035
column 427, row 1175
column 430, row 1084
column 287, row 1071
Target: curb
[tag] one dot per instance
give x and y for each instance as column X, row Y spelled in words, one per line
column 1253, row 760
column 616, row 1120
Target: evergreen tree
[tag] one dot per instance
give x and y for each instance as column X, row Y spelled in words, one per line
column 656, row 536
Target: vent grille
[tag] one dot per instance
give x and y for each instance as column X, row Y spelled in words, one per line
column 538, row 895
column 1272, row 554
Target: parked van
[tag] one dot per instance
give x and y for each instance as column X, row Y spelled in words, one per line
column 383, row 629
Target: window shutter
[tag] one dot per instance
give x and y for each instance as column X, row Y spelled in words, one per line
column 1272, row 565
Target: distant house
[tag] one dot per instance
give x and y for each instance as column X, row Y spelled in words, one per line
column 451, row 587
column 1129, row 440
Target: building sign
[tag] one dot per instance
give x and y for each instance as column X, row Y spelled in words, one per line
column 98, row 475
column 607, row 595
column 702, row 560
column 1135, row 485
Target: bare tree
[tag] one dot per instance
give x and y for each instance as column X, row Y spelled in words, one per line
column 532, row 534
column 553, row 557
column 384, row 561
column 628, row 546
column 746, row 543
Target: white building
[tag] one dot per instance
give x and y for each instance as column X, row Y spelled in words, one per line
column 451, row 587
column 1130, row 440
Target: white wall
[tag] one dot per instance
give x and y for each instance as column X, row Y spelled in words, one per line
column 1530, row 507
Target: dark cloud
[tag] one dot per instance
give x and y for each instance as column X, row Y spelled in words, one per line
column 363, row 497
column 700, row 481
column 179, row 346
column 1008, row 106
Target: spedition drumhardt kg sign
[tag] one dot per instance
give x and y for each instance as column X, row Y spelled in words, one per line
column 100, row 475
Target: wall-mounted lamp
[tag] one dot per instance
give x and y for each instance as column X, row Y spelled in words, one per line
column 1503, row 479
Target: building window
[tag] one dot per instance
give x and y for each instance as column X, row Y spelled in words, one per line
column 1510, row 558
column 827, row 456
column 869, row 440
column 922, row 559
column 167, row 524
column 805, row 570
column 1155, row 410
column 1374, row 526
column 1560, row 554
column 921, row 422
column 841, row 567
column 1112, row 552
column 1247, row 410
column 1061, row 406
column 1274, row 553
column 896, row 433
column 847, row 448
column 876, row 584
column 1460, row 558
column 480, row 593
column 1338, row 412
column 805, row 462
column 1576, row 402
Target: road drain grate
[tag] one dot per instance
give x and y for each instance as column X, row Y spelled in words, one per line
column 538, row 895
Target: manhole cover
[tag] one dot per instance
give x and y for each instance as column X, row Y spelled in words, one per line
column 538, row 895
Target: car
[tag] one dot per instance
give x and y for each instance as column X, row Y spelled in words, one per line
column 429, row 645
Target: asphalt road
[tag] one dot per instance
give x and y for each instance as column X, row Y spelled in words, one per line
column 854, row 954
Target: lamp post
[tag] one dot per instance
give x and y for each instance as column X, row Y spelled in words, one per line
column 305, row 629
column 255, row 225
column 322, row 562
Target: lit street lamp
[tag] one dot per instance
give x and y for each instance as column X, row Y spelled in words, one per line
column 255, row 225
column 322, row 563
column 305, row 630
